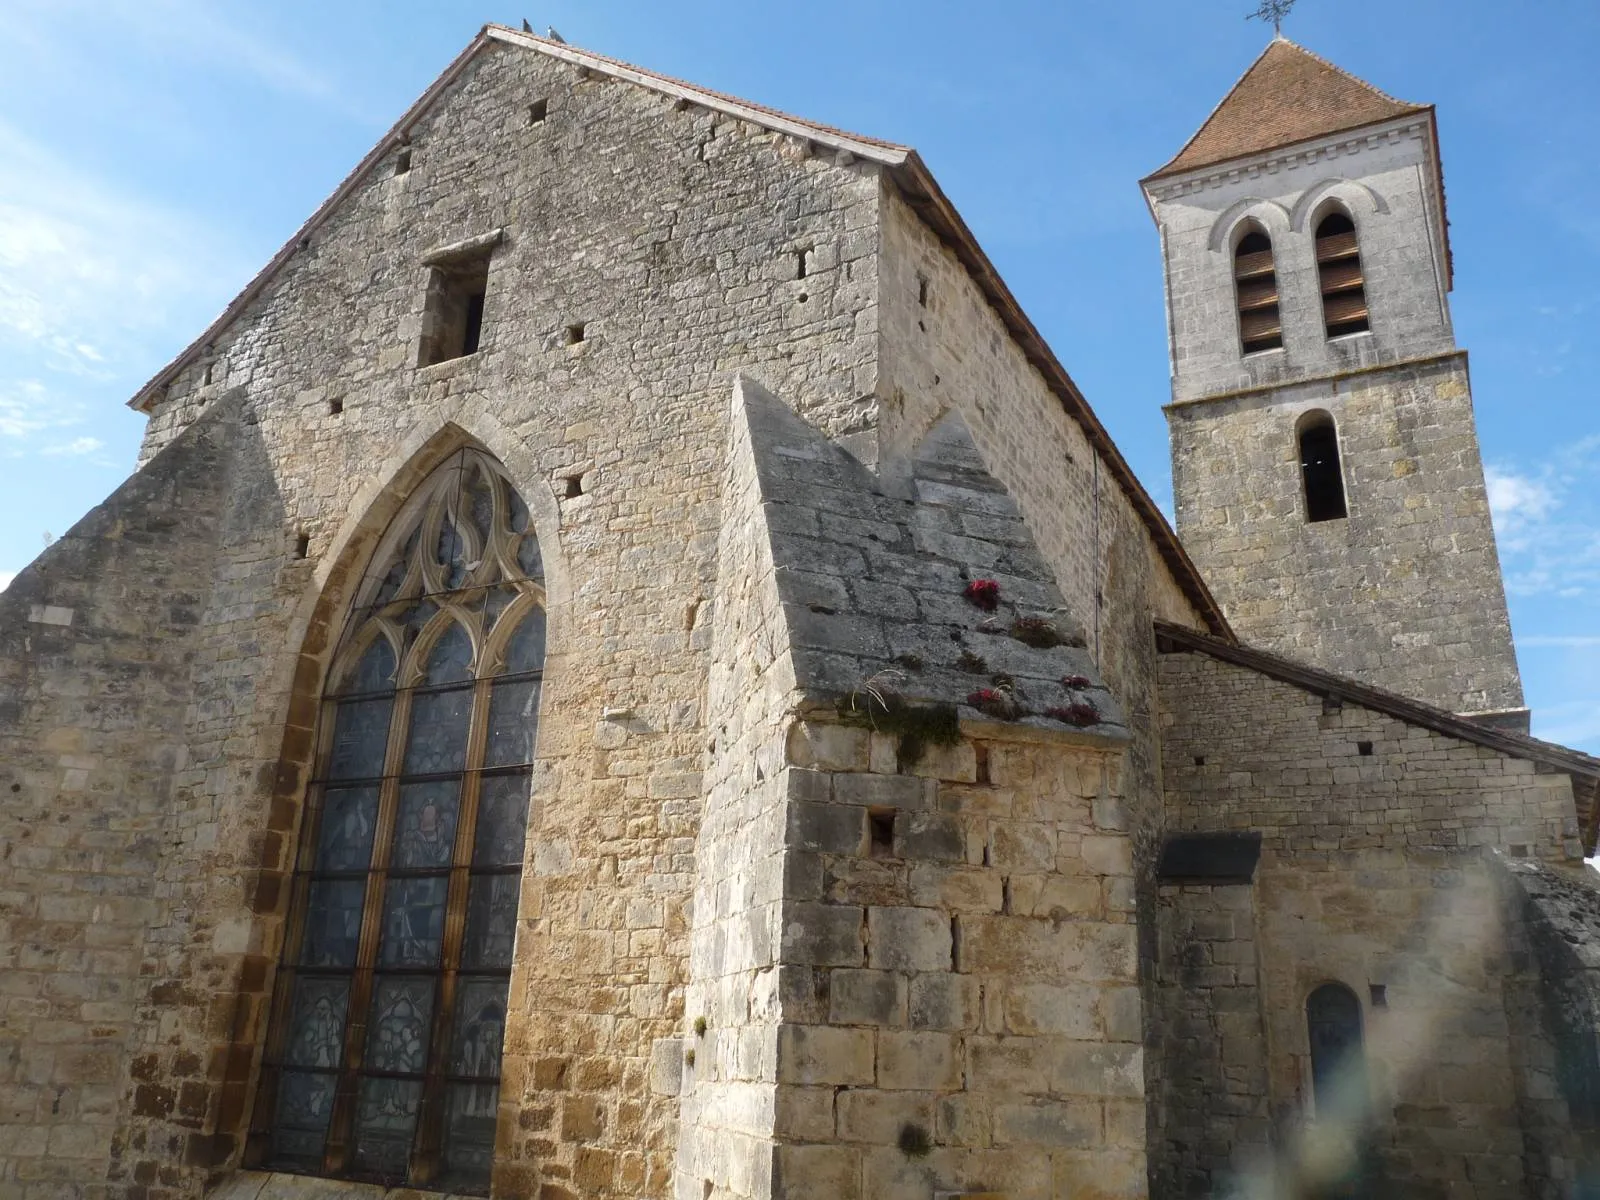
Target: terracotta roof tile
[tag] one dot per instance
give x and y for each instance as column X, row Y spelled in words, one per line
column 1288, row 95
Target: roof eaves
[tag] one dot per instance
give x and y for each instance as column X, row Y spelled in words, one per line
column 930, row 203
column 1403, row 708
column 396, row 135
column 1215, row 109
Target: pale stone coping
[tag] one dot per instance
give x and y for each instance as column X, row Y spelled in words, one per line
column 49, row 614
column 984, row 729
column 1420, row 360
column 275, row 1185
column 891, row 156
column 466, row 248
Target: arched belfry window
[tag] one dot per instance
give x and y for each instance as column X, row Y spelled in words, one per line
column 1255, row 283
column 1338, row 1060
column 1344, row 289
column 1320, row 472
column 383, row 1057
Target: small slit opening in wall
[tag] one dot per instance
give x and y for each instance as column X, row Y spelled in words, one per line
column 205, row 376
column 1364, row 749
column 955, row 943
column 800, row 259
column 575, row 333
column 336, row 406
column 571, row 486
column 1519, row 851
column 922, row 291
column 880, row 832
column 1379, row 994
column 538, row 111
column 1199, row 760
column 302, row 544
column 981, row 754
column 402, row 161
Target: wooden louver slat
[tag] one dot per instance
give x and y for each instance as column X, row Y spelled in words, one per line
column 1259, row 326
column 1341, row 308
column 1249, row 266
column 1335, row 246
column 1258, row 293
column 1336, row 277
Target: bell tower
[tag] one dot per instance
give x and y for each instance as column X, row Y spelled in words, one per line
column 1325, row 460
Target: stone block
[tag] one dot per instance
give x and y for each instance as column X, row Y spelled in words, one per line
column 1069, row 1010
column 908, row 939
column 876, row 1117
column 943, row 1000
column 817, row 1054
column 927, row 1062
column 822, row 935
column 1063, row 1124
column 867, row 998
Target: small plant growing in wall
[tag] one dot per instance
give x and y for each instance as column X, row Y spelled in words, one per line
column 1038, row 632
column 972, row 664
column 918, row 726
column 996, row 702
column 984, row 594
column 699, row 1027
column 911, row 662
column 914, row 1141
column 1080, row 714
column 1076, row 683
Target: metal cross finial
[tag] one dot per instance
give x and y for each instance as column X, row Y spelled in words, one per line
column 1274, row 11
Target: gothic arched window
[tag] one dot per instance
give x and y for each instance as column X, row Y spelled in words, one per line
column 383, row 1057
column 1344, row 291
column 1320, row 473
column 1338, row 1061
column 1255, row 283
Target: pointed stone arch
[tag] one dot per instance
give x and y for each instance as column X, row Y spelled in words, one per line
column 1357, row 198
column 1272, row 216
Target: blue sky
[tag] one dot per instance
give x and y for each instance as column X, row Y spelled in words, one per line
column 154, row 153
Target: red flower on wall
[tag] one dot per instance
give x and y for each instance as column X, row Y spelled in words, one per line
column 1076, row 682
column 985, row 593
column 1079, row 714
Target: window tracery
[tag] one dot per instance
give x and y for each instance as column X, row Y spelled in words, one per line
column 383, row 1060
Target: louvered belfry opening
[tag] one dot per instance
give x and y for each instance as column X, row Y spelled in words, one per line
column 1344, row 291
column 1320, row 472
column 1255, row 281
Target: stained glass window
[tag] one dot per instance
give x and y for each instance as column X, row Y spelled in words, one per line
column 383, row 1061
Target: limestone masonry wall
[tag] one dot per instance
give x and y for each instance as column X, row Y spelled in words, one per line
column 1372, row 874
column 97, row 651
column 1405, row 592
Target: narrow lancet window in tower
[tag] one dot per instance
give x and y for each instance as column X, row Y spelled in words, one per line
column 1344, row 291
column 1255, row 284
column 1338, row 1060
column 1320, row 472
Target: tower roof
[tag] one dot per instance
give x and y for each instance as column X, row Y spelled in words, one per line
column 1288, row 95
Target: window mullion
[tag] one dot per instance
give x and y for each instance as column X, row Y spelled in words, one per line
column 425, row 1158
column 336, row 1158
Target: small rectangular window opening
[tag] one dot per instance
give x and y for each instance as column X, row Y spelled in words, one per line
column 1379, row 994
column 452, row 323
column 302, row 544
column 336, row 406
column 880, row 828
column 800, row 257
column 538, row 111
column 572, row 487
column 1364, row 749
column 922, row 291
column 1519, row 851
column 1199, row 760
column 575, row 334
column 402, row 161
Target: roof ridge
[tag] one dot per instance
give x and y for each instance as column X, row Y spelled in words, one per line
column 1285, row 106
column 1354, row 78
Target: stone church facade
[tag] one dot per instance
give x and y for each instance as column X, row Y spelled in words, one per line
column 627, row 668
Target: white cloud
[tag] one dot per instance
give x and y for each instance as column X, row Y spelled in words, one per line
column 5, row 579
column 83, row 445
column 91, row 278
column 1548, row 524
